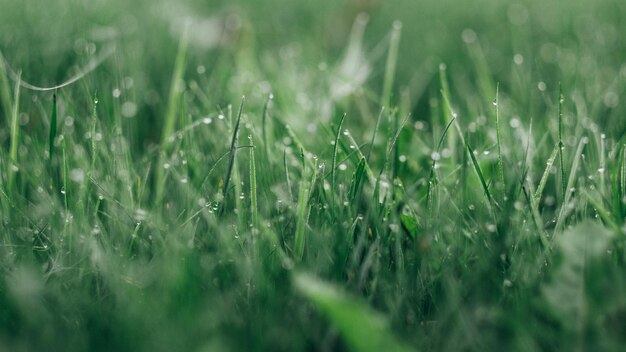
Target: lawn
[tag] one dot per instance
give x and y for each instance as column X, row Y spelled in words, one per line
column 279, row 175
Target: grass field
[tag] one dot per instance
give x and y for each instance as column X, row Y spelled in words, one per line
column 276, row 175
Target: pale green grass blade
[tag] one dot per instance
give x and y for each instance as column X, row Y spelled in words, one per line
column 363, row 329
column 254, row 207
column 266, row 107
column 176, row 89
column 390, row 67
column 15, row 133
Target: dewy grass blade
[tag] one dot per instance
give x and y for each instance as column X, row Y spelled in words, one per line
column 376, row 127
column 479, row 172
column 496, row 103
column 546, row 175
column 231, row 155
column 94, row 120
column 569, row 187
column 15, row 132
column 431, row 177
column 53, row 127
column 264, row 123
column 254, row 209
column 335, row 150
column 561, row 145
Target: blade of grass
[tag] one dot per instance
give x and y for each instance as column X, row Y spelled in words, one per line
column 287, row 180
column 231, row 155
column 544, row 178
column 569, row 187
column 390, row 67
column 176, row 88
column 479, row 172
column 561, row 145
column 264, row 123
column 380, row 115
column 496, row 103
column 254, row 209
column 15, row 129
column 363, row 329
column 303, row 210
column 431, row 177
column 53, row 126
column 5, row 88
column 357, row 180
column 335, row 149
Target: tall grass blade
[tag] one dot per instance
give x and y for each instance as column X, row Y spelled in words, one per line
column 254, row 208
column 390, row 67
column 303, row 210
column 333, row 169
column 569, row 187
column 561, row 145
column 15, row 132
column 231, row 155
column 479, row 172
column 546, row 175
column 176, row 88
column 266, row 107
column 5, row 88
column 496, row 102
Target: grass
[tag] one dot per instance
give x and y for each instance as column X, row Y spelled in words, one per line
column 383, row 200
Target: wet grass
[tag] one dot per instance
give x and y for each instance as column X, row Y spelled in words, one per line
column 417, row 176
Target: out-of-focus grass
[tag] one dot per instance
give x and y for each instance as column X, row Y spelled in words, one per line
column 131, row 220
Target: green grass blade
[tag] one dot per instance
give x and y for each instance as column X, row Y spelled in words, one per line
column 254, row 208
column 376, row 127
column 53, row 127
column 231, row 155
column 569, row 187
column 5, row 88
column 479, row 172
column 357, row 180
column 266, row 107
column 363, row 329
column 15, row 132
column 176, row 88
column 496, row 103
column 303, row 211
column 561, row 145
column 546, row 175
column 390, row 68
column 333, row 169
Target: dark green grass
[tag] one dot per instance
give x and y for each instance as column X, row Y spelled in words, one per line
column 424, row 177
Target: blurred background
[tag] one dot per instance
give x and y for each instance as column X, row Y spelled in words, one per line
column 288, row 48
